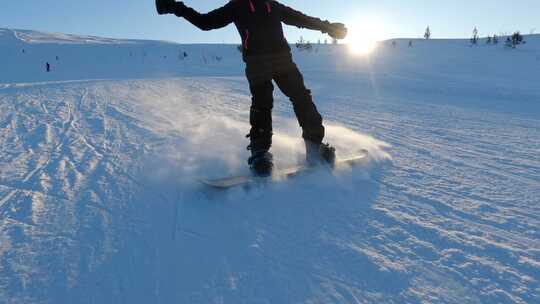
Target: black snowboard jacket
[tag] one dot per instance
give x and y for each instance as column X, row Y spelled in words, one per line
column 259, row 23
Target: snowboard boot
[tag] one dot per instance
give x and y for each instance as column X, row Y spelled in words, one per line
column 319, row 153
column 261, row 163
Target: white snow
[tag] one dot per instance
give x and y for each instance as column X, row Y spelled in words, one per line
column 99, row 160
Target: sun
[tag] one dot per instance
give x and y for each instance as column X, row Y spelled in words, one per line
column 362, row 46
column 364, row 35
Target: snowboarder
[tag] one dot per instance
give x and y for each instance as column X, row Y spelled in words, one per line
column 268, row 58
column 47, row 67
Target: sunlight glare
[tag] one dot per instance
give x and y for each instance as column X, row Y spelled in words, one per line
column 364, row 35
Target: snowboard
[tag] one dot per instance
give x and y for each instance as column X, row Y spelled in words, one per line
column 283, row 174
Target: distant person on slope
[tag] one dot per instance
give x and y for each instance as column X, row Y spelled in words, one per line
column 268, row 57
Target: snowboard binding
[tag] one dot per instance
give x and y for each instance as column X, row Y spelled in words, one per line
column 319, row 153
column 261, row 163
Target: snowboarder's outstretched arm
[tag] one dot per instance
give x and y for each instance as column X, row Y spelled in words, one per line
column 215, row 19
column 293, row 17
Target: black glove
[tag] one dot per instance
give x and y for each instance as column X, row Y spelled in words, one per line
column 170, row 7
column 335, row 30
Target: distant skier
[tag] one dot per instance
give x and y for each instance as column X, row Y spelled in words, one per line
column 508, row 42
column 47, row 67
column 268, row 57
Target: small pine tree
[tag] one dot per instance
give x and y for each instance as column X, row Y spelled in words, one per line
column 489, row 40
column 474, row 39
column 300, row 43
column 495, row 39
column 427, row 34
column 517, row 39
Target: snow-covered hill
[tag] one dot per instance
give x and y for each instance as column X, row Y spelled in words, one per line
column 99, row 160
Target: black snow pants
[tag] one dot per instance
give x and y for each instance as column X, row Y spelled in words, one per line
column 260, row 71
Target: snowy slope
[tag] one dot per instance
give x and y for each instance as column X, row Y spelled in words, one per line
column 99, row 201
column 25, row 53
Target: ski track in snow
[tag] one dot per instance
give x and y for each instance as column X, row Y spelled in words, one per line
column 99, row 201
column 452, row 218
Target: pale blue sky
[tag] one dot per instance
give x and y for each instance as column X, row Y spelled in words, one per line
column 138, row 19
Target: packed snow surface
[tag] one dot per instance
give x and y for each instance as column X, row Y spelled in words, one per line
column 100, row 160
